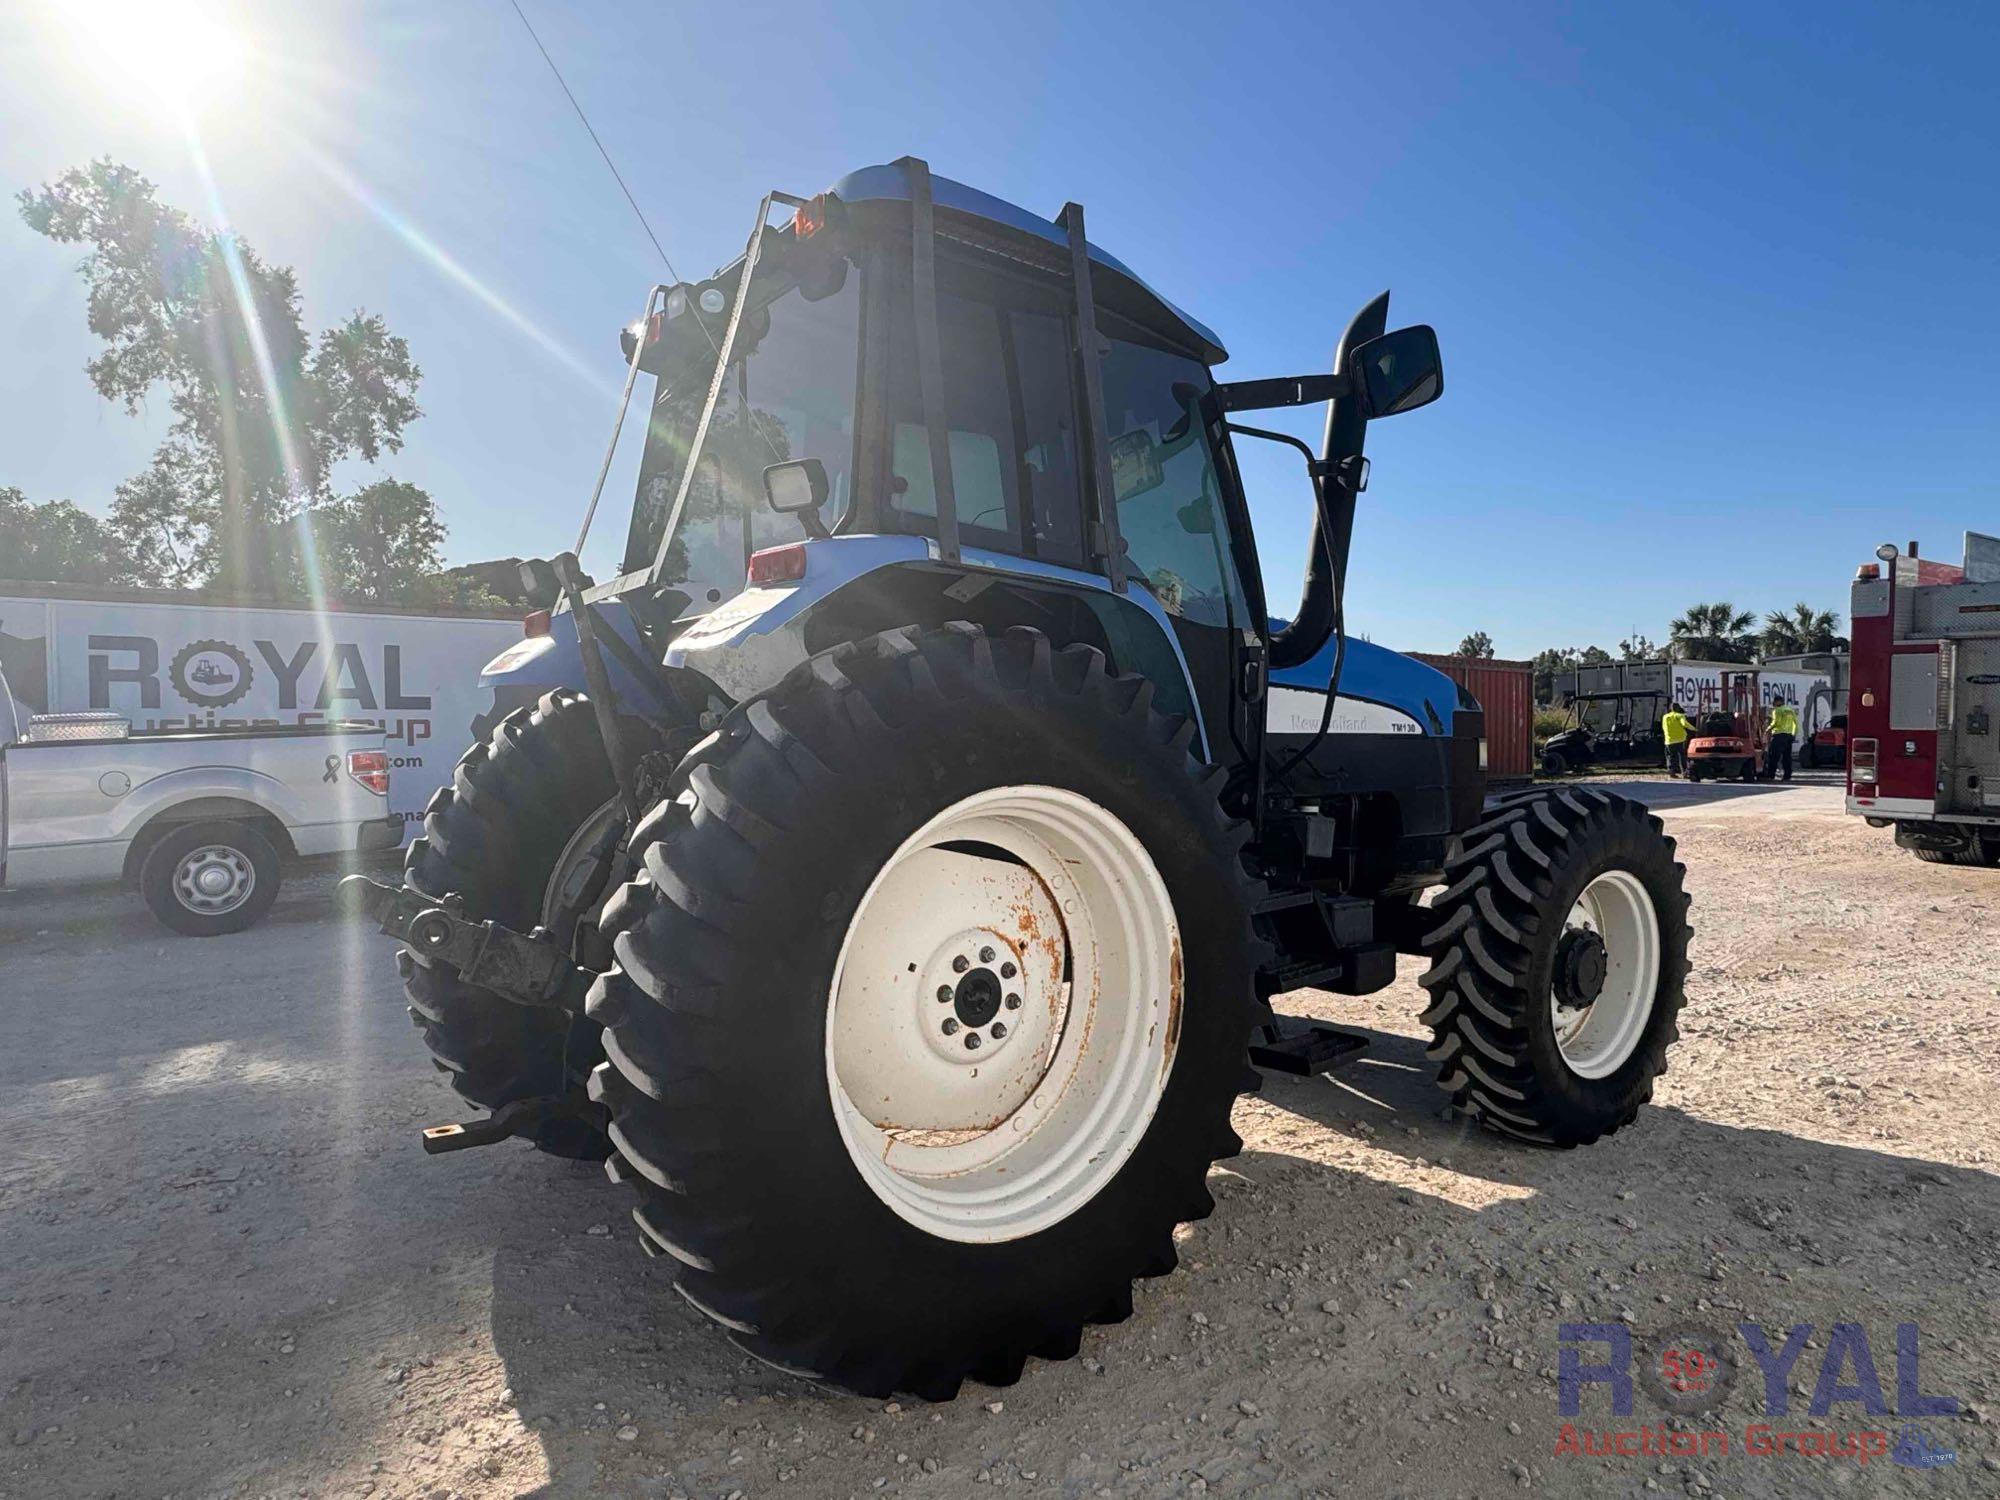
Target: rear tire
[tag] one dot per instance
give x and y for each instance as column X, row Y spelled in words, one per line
column 800, row 1217
column 206, row 879
column 1553, row 763
column 1526, row 1046
column 494, row 838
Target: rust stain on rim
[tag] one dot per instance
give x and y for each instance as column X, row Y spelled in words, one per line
column 1175, row 987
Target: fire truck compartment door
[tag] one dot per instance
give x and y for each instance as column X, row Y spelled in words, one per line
column 1973, row 755
column 1913, row 690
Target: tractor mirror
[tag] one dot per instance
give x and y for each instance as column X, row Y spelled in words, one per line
column 1401, row 371
column 796, row 486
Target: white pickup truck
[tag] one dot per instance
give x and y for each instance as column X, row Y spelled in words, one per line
column 200, row 819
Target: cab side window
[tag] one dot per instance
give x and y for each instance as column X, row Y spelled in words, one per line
column 1011, row 426
column 1164, row 474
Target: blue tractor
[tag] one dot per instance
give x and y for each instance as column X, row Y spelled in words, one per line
column 888, row 874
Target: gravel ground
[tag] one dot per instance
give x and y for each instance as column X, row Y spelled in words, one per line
column 229, row 1270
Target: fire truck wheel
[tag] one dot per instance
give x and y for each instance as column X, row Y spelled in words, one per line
column 1557, row 965
column 933, row 999
column 513, row 837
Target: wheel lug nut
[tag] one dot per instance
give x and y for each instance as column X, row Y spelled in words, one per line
column 1007, row 971
column 999, row 1030
column 1013, row 1002
column 986, row 955
column 972, row 1041
column 944, row 994
column 960, row 964
column 950, row 1026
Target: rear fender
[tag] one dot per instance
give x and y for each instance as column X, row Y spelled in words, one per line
column 746, row 645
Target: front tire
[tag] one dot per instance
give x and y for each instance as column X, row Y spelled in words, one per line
column 1558, row 965
column 522, row 804
column 825, row 921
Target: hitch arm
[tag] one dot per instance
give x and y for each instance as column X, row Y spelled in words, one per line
column 528, row 969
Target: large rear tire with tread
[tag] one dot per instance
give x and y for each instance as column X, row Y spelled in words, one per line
column 494, row 838
column 733, row 1109
column 1558, row 965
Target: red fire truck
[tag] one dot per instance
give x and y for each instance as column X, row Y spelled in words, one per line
column 1923, row 744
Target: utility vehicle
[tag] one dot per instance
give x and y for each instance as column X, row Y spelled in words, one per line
column 1610, row 728
column 897, row 905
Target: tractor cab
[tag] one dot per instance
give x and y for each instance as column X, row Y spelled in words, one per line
column 911, row 402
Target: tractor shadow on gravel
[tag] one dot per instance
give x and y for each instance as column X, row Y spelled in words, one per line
column 1727, row 1224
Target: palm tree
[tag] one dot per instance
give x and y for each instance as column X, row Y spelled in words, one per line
column 1801, row 629
column 1713, row 632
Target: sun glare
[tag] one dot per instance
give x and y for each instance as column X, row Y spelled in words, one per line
column 177, row 51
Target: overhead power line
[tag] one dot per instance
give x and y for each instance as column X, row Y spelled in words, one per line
column 616, row 176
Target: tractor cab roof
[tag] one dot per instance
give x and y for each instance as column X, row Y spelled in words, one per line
column 995, row 224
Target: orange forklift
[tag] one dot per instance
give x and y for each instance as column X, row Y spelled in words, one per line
column 1731, row 728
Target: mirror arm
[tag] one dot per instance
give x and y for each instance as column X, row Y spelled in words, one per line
column 1317, row 467
column 1287, row 390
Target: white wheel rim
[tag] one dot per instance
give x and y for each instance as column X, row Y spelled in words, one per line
column 990, row 1143
column 214, row 879
column 1596, row 1039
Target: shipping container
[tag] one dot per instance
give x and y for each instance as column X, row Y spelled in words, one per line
column 1506, row 691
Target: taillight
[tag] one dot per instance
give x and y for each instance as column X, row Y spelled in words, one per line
column 785, row 564
column 534, row 623
column 370, row 768
column 1861, row 762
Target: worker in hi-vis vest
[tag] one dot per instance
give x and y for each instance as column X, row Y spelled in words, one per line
column 1674, row 728
column 1784, row 728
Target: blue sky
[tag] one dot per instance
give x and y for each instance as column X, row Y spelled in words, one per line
column 1716, row 285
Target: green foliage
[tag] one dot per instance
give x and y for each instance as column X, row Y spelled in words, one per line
column 379, row 545
column 1801, row 629
column 1713, row 632
column 262, row 411
column 1552, row 721
column 1478, row 645
column 58, row 542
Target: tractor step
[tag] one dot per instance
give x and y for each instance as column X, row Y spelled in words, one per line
column 522, row 1117
column 1317, row 1049
column 526, row 968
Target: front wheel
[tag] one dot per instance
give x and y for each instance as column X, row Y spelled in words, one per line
column 931, row 1007
column 522, row 838
column 1557, row 965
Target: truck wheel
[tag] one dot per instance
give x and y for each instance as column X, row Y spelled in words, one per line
column 931, row 1006
column 1553, row 763
column 514, row 837
column 205, row 879
column 1557, row 965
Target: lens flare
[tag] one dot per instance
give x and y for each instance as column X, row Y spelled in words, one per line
column 593, row 374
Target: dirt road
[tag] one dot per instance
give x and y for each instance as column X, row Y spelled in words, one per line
column 227, row 1269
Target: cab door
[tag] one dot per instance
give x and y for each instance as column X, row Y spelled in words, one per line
column 1180, row 545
